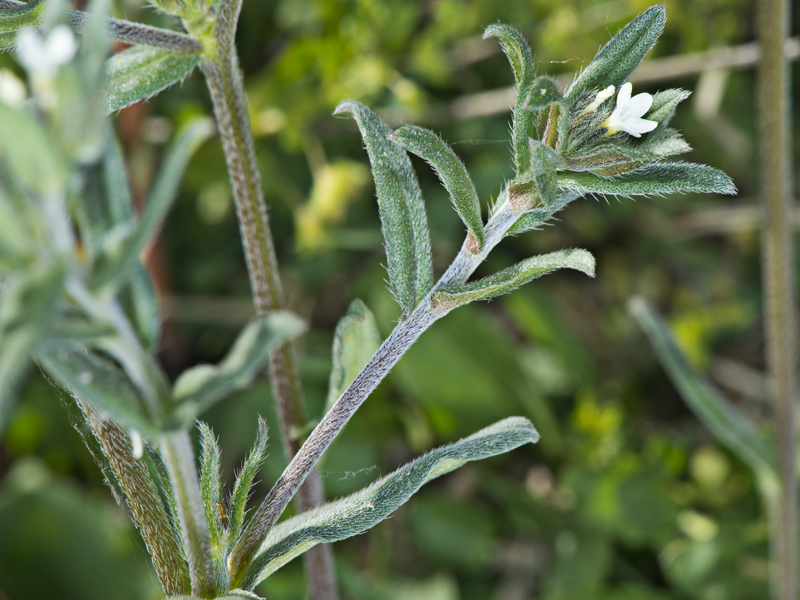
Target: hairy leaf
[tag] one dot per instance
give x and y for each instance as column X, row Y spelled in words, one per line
column 355, row 341
column 664, row 104
column 210, row 484
column 543, row 93
column 99, row 382
column 433, row 149
column 519, row 55
column 727, row 423
column 403, row 219
column 655, row 179
column 12, row 20
column 363, row 510
column 536, row 218
column 619, row 58
column 244, row 481
column 141, row 72
column 200, row 387
column 507, row 280
column 27, row 307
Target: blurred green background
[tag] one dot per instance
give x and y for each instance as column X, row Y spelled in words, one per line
column 626, row 497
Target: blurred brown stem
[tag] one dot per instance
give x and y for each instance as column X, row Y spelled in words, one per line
column 224, row 81
column 776, row 240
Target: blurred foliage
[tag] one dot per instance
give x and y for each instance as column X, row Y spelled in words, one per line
column 626, row 497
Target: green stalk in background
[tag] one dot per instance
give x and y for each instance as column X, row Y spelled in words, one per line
column 776, row 240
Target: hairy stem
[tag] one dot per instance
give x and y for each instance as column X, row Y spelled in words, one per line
column 777, row 268
column 399, row 341
column 230, row 106
column 149, row 513
column 176, row 449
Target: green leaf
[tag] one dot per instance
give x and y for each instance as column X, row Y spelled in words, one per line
column 403, row 219
column 664, row 104
column 366, row 508
column 655, row 179
column 12, row 20
column 27, row 307
column 121, row 261
column 117, row 184
column 99, row 382
column 355, row 341
column 141, row 72
column 534, row 219
column 543, row 93
column 36, row 165
column 519, row 55
column 433, row 149
column 503, row 282
column 210, row 484
column 200, row 387
column 244, row 481
column 619, row 58
column 537, row 187
column 144, row 305
column 725, row 421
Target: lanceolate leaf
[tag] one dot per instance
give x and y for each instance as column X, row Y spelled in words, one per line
column 536, row 218
column 620, row 57
column 519, row 55
column 403, row 219
column 19, row 17
column 141, row 72
column 27, row 307
column 429, row 146
column 355, row 341
column 363, row 510
column 664, row 104
column 98, row 381
column 210, row 483
column 728, row 424
column 509, row 279
column 244, row 481
column 653, row 179
column 199, row 388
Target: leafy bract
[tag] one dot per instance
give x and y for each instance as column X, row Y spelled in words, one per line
column 210, row 484
column 366, row 508
column 728, row 424
column 619, row 58
column 543, row 93
column 200, row 387
column 141, row 72
column 244, row 481
column 454, row 175
column 355, row 341
column 403, row 219
column 655, row 178
column 507, row 280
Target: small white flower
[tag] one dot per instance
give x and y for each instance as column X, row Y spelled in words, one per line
column 601, row 97
column 627, row 116
column 43, row 56
column 12, row 90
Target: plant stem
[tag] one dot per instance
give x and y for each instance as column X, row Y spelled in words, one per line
column 399, row 341
column 230, row 106
column 151, row 517
column 176, row 448
column 777, row 251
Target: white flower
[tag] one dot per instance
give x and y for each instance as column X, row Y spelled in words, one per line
column 601, row 97
column 137, row 445
column 12, row 90
column 627, row 116
column 42, row 56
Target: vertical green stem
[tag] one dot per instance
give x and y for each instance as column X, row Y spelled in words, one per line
column 776, row 236
column 230, row 107
column 176, row 449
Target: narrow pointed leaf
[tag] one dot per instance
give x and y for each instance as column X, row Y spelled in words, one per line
column 355, row 341
column 543, row 93
column 144, row 306
column 141, row 72
column 536, row 218
column 366, row 508
column 99, row 382
column 509, row 279
column 200, row 387
column 117, row 269
column 27, row 307
column 664, row 104
column 519, row 55
column 619, row 58
column 726, row 422
column 210, row 483
column 116, row 181
column 433, row 149
column 403, row 219
column 244, row 481
column 652, row 179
